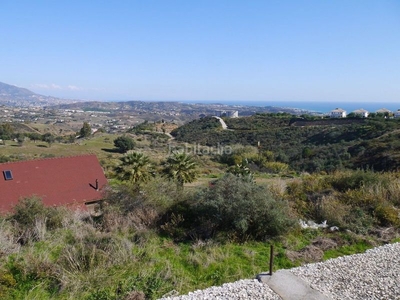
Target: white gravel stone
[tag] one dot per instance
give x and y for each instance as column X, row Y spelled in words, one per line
column 372, row 275
column 239, row 290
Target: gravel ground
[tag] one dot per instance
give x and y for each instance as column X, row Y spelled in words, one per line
column 239, row 290
column 372, row 275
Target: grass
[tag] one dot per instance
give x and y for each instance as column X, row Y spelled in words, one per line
column 79, row 261
column 98, row 145
column 155, row 268
column 359, row 247
column 102, row 146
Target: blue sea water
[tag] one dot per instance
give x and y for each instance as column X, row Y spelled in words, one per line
column 316, row 106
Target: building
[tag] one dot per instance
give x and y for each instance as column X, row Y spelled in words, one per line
column 227, row 113
column 361, row 113
column 337, row 113
column 396, row 114
column 69, row 181
column 384, row 111
column 233, row 114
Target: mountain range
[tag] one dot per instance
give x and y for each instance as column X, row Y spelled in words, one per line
column 11, row 95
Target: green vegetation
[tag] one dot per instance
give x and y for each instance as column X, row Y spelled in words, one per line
column 124, row 143
column 311, row 145
column 6, row 131
column 203, row 216
column 240, row 209
column 158, row 238
column 86, row 130
column 135, row 167
column 180, row 168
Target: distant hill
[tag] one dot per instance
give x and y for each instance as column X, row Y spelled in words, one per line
column 11, row 95
column 14, row 91
column 306, row 145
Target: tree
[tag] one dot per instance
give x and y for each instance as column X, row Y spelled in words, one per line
column 124, row 143
column 135, row 167
column 86, row 130
column 71, row 138
column 34, row 136
column 20, row 138
column 6, row 131
column 181, row 168
column 48, row 138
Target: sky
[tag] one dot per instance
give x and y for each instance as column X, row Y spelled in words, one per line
column 222, row 50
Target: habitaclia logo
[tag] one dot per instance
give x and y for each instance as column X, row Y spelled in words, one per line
column 197, row 149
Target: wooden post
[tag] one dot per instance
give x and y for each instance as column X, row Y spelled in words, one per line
column 271, row 259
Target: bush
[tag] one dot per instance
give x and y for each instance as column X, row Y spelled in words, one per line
column 239, row 209
column 32, row 218
column 7, row 283
column 387, row 215
column 8, row 242
column 335, row 212
column 28, row 210
column 124, row 144
column 276, row 167
column 127, row 206
column 356, row 179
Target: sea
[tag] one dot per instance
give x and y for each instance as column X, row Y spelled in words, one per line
column 312, row 106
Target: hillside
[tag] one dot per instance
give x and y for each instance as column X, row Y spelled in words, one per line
column 155, row 238
column 11, row 95
column 14, row 91
column 306, row 145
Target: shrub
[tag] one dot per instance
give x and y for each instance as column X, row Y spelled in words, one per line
column 276, row 167
column 334, row 211
column 133, row 208
column 305, row 195
column 387, row 214
column 124, row 143
column 32, row 218
column 28, row 210
column 7, row 282
column 8, row 242
column 240, row 209
column 356, row 179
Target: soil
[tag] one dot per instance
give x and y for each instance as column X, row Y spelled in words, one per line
column 314, row 252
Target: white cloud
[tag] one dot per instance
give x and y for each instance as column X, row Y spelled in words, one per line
column 40, row 86
column 45, row 86
column 73, row 88
column 54, row 86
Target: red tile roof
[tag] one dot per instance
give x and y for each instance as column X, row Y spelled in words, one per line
column 58, row 181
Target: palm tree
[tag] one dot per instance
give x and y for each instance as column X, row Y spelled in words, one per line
column 181, row 168
column 135, row 167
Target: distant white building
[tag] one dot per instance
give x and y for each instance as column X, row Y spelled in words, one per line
column 338, row 113
column 361, row 113
column 397, row 114
column 227, row 113
column 383, row 111
column 233, row 114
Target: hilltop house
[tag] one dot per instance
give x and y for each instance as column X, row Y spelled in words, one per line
column 384, row 111
column 361, row 113
column 71, row 181
column 337, row 113
column 397, row 113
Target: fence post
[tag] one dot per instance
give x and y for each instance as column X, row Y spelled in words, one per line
column 271, row 259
